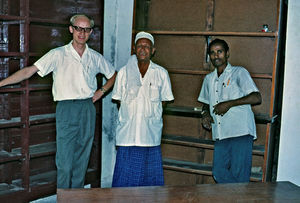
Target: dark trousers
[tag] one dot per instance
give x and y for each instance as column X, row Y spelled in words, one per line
column 233, row 159
column 75, row 128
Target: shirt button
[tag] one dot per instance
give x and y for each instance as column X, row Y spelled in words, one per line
column 219, row 123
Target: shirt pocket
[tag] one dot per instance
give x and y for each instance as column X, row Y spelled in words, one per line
column 230, row 91
column 154, row 93
column 153, row 105
column 153, row 109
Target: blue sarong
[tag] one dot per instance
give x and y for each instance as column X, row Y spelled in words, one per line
column 138, row 166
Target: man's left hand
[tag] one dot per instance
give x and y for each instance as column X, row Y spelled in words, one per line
column 221, row 108
column 98, row 94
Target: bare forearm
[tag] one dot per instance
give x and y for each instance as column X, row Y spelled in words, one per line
column 253, row 98
column 205, row 107
column 110, row 82
column 99, row 93
column 19, row 76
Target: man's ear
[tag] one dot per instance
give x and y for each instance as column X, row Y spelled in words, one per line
column 71, row 29
column 133, row 49
column 227, row 54
column 153, row 50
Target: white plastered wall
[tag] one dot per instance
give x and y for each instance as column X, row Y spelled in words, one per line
column 289, row 147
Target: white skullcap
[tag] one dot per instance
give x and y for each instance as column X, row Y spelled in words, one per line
column 145, row 35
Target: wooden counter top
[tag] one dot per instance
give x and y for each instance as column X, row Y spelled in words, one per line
column 238, row 192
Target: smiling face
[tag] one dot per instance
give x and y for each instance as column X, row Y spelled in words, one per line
column 80, row 30
column 144, row 50
column 218, row 56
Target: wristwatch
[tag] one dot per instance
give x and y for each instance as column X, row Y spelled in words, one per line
column 103, row 90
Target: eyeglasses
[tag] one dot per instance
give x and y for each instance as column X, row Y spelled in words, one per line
column 80, row 29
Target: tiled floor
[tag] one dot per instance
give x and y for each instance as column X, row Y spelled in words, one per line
column 51, row 199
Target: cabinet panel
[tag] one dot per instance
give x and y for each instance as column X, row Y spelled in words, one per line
column 175, row 125
column 180, row 15
column 188, row 49
column 254, row 53
column 186, row 89
column 243, row 15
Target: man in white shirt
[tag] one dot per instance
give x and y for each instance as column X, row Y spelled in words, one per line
column 227, row 95
column 141, row 86
column 74, row 68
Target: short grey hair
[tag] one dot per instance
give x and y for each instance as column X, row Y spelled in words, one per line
column 73, row 19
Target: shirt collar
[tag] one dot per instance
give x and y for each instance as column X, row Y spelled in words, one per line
column 71, row 48
column 228, row 69
column 151, row 65
column 134, row 58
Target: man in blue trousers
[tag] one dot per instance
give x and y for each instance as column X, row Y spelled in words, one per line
column 227, row 95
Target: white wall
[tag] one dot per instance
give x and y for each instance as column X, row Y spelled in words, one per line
column 118, row 16
column 289, row 146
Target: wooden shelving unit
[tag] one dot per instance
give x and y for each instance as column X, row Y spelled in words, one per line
column 181, row 47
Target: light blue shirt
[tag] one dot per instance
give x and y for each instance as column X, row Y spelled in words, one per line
column 74, row 77
column 140, row 115
column 235, row 82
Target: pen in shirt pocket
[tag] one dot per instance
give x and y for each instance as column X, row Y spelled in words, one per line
column 228, row 81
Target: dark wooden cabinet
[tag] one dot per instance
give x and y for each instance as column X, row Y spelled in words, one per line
column 29, row 29
column 182, row 31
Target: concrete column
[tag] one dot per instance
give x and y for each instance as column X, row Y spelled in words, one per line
column 118, row 16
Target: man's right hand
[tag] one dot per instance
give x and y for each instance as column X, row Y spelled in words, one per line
column 207, row 120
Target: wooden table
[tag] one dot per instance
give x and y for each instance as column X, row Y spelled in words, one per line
column 237, row 192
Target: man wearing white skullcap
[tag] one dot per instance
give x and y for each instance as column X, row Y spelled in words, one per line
column 141, row 87
column 145, row 35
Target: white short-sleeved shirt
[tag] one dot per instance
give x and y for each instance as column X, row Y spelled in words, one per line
column 74, row 77
column 140, row 114
column 235, row 82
